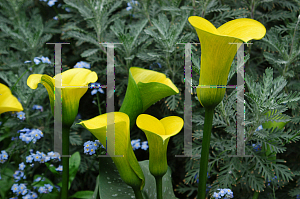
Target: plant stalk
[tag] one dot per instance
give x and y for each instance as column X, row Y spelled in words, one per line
column 209, row 113
column 65, row 162
column 255, row 195
column 158, row 180
column 138, row 193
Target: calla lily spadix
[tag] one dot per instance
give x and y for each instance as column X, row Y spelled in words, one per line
column 128, row 166
column 8, row 102
column 145, row 87
column 217, row 53
column 158, row 133
column 70, row 95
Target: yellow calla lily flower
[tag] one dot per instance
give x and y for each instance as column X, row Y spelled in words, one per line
column 145, row 87
column 70, row 96
column 158, row 133
column 8, row 102
column 128, row 166
column 217, row 53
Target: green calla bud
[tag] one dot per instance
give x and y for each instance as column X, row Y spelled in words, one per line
column 145, row 87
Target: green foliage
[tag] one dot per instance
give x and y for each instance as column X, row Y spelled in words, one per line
column 151, row 35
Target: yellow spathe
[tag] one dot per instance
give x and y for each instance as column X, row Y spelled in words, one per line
column 128, row 166
column 70, row 96
column 217, row 53
column 8, row 102
column 158, row 133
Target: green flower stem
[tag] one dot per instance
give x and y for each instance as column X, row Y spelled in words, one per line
column 255, row 195
column 98, row 103
column 158, row 180
column 209, row 113
column 65, row 162
column 137, row 193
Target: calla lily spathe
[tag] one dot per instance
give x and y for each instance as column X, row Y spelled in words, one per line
column 158, row 133
column 145, row 87
column 8, row 102
column 217, row 53
column 128, row 166
column 70, row 96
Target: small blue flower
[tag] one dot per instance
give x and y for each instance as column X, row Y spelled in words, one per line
column 29, row 159
column 37, row 133
column 97, row 87
column 90, row 147
column 15, row 188
column 222, row 192
column 36, row 157
column 145, row 145
column 259, row 128
column 226, row 193
column 45, row 60
column 129, row 6
column 68, row 9
column 59, row 168
column 42, row 190
column 21, row 115
column 256, row 147
column 94, row 91
column 82, row 64
column 22, row 166
column 49, row 187
column 135, row 144
column 229, row 193
column 3, row 156
column 38, row 107
column 37, row 179
column 36, row 60
column 18, row 175
column 94, row 85
column 25, row 62
column 135, row 2
column 28, row 196
column 53, row 155
column 34, row 195
column 51, row 3
column 55, row 18
column 216, row 195
column 23, row 189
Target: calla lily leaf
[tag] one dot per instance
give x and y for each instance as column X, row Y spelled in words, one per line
column 158, row 133
column 145, row 87
column 112, row 186
column 70, row 96
column 218, row 51
column 8, row 102
column 127, row 165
